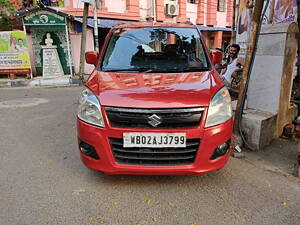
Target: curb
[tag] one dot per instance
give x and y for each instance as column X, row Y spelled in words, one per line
column 38, row 82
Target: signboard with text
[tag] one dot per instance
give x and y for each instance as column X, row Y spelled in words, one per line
column 44, row 18
column 14, row 53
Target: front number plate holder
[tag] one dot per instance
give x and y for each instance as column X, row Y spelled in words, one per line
column 154, row 140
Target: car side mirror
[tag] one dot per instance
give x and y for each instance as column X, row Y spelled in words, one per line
column 91, row 57
column 216, row 57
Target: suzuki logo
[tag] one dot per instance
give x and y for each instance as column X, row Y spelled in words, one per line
column 154, row 120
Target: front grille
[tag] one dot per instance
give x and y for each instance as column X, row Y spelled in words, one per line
column 139, row 118
column 154, row 156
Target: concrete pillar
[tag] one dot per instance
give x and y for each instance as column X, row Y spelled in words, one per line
column 211, row 18
column 229, row 11
column 160, row 10
column 200, row 13
column 133, row 6
column 218, row 39
column 182, row 11
column 271, row 79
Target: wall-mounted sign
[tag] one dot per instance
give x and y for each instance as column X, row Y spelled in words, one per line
column 14, row 54
column 42, row 18
column 285, row 11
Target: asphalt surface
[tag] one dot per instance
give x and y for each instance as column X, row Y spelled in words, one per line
column 42, row 180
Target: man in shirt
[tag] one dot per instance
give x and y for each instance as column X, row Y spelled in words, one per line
column 233, row 65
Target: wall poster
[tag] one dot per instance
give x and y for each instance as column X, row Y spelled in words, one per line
column 14, row 53
column 285, row 11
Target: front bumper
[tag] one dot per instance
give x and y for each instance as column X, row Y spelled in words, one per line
column 211, row 138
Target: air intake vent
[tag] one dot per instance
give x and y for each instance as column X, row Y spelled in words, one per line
column 154, row 118
column 155, row 156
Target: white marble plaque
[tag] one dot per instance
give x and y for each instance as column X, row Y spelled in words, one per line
column 51, row 62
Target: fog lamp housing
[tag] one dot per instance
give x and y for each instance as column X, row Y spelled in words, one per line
column 88, row 150
column 221, row 150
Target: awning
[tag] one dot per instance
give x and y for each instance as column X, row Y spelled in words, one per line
column 104, row 23
column 30, row 10
column 208, row 28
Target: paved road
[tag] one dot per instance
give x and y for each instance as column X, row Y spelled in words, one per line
column 42, row 180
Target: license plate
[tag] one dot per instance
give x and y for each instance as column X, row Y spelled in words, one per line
column 154, row 140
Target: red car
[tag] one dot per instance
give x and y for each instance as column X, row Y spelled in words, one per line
column 154, row 105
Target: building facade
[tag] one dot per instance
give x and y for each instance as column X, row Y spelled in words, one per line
column 214, row 17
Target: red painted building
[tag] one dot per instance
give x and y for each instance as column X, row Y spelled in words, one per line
column 214, row 17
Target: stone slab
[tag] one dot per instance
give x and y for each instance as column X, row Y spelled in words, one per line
column 258, row 127
column 265, row 83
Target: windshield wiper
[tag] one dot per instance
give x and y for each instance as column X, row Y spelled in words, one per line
column 139, row 69
column 194, row 69
column 178, row 70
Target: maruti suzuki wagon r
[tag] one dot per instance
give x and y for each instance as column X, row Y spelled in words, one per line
column 154, row 104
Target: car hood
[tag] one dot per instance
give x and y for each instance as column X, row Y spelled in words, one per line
column 153, row 90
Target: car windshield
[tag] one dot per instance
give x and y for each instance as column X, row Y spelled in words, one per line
column 159, row 49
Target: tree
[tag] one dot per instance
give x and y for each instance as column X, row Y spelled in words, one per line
column 7, row 8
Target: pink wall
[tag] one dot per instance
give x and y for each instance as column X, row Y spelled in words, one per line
column 31, row 55
column 75, row 46
column 207, row 13
column 113, row 10
column 211, row 18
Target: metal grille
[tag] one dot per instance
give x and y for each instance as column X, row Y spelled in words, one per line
column 155, row 156
column 140, row 118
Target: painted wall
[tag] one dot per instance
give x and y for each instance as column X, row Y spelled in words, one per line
column 75, row 46
column 117, row 6
column 205, row 12
column 221, row 19
column 77, row 4
column 146, row 9
column 191, row 12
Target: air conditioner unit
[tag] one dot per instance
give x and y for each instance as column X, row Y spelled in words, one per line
column 172, row 9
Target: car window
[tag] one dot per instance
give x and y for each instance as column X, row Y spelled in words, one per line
column 158, row 49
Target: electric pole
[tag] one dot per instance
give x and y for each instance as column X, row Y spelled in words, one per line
column 234, row 13
column 83, row 41
column 298, row 60
column 255, row 29
column 96, row 36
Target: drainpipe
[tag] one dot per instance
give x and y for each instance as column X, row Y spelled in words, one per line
column 233, row 33
column 69, row 49
column 96, row 37
column 154, row 10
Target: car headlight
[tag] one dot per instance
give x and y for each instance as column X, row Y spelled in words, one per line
column 220, row 109
column 89, row 109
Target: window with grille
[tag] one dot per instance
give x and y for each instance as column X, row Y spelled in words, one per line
column 193, row 1
column 221, row 5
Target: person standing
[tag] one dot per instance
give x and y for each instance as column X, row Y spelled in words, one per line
column 233, row 65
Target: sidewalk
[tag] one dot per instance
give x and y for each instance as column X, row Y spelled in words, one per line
column 66, row 80
column 279, row 157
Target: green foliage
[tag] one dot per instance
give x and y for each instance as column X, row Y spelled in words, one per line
column 5, row 5
column 6, row 10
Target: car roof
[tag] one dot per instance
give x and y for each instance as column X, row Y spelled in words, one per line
column 152, row 24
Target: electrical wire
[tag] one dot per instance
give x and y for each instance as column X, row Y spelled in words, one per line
column 244, row 94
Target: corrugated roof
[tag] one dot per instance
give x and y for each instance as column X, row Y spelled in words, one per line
column 26, row 11
column 104, row 23
column 108, row 23
column 208, row 28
